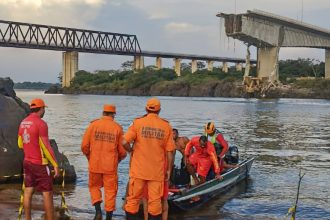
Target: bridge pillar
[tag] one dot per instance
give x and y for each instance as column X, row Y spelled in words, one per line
column 225, row 67
column 177, row 66
column 327, row 64
column 193, row 66
column 238, row 67
column 70, row 67
column 158, row 63
column 210, row 65
column 138, row 62
column 268, row 63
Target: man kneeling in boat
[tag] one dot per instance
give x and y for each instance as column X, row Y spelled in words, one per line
column 202, row 159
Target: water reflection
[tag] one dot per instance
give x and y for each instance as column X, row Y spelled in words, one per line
column 284, row 134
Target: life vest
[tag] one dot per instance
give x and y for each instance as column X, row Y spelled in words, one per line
column 213, row 139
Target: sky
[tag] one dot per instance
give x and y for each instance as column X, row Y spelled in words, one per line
column 183, row 26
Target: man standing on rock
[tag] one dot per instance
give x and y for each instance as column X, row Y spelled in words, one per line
column 153, row 146
column 33, row 138
column 102, row 145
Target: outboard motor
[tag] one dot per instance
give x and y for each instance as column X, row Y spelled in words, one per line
column 232, row 156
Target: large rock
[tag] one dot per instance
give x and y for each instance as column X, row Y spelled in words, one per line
column 12, row 112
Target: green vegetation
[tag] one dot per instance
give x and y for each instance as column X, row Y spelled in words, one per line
column 291, row 72
column 291, row 69
column 33, row 85
column 127, row 79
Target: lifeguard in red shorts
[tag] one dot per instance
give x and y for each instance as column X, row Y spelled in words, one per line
column 38, row 153
column 202, row 159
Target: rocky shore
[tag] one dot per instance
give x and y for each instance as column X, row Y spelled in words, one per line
column 12, row 112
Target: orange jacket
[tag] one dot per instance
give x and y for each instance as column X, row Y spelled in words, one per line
column 102, row 145
column 152, row 137
column 33, row 138
column 207, row 152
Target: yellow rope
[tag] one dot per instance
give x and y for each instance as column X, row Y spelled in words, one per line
column 63, row 204
column 20, row 210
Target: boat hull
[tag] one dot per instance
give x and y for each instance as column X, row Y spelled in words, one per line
column 210, row 189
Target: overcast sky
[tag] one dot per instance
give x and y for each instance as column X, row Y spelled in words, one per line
column 184, row 26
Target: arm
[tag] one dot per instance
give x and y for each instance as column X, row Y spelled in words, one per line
column 170, row 149
column 46, row 147
column 211, row 151
column 187, row 151
column 121, row 150
column 224, row 144
column 129, row 137
column 170, row 159
column 85, row 145
column 20, row 139
column 45, row 144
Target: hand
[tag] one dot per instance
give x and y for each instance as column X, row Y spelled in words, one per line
column 218, row 177
column 57, row 172
column 167, row 175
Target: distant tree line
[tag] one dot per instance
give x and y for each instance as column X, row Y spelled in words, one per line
column 33, row 85
column 290, row 69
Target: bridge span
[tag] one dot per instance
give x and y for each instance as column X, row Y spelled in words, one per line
column 73, row 40
column 269, row 32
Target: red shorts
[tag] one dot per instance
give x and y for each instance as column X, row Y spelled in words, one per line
column 37, row 176
column 201, row 164
column 165, row 191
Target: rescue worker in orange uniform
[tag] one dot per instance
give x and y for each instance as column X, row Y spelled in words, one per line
column 180, row 144
column 153, row 142
column 201, row 160
column 102, row 145
column 33, row 138
column 217, row 139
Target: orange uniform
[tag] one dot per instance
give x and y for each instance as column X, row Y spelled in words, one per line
column 203, row 157
column 152, row 137
column 102, row 145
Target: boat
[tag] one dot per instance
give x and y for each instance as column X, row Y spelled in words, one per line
column 186, row 199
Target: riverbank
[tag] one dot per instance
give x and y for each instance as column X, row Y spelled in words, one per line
column 233, row 88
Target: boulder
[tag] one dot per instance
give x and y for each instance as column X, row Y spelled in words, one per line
column 12, row 112
column 54, row 90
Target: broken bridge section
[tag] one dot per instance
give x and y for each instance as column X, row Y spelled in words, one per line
column 269, row 32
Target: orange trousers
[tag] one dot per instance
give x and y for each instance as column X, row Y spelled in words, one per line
column 135, row 194
column 110, row 184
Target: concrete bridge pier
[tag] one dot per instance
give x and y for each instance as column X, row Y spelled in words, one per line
column 70, row 67
column 193, row 66
column 210, row 65
column 239, row 67
column 327, row 64
column 177, row 66
column 267, row 65
column 158, row 63
column 138, row 62
column 225, row 67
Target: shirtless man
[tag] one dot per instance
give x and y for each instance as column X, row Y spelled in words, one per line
column 180, row 142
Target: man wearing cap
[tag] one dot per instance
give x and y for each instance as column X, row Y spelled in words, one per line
column 153, row 146
column 102, row 145
column 33, row 139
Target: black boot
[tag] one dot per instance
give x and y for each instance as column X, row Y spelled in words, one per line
column 154, row 217
column 130, row 216
column 109, row 216
column 98, row 211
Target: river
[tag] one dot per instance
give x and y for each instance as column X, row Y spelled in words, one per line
column 285, row 135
